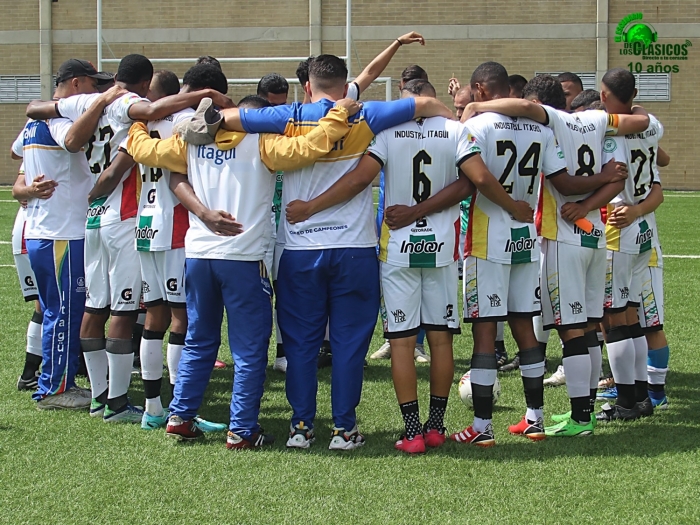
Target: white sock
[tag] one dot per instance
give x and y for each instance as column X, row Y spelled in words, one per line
column 34, row 339
column 154, row 406
column 480, row 425
column 97, row 364
column 540, row 334
column 533, row 414
column 577, row 369
column 173, row 355
column 641, row 350
column 151, row 359
column 621, row 355
column 121, row 361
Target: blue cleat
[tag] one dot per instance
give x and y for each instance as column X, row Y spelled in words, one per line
column 607, row 394
column 208, row 426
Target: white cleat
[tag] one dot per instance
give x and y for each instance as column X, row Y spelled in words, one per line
column 384, row 352
column 280, row 364
column 71, row 399
column 557, row 378
column 420, row 355
column 342, row 440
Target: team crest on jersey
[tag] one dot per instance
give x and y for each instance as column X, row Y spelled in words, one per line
column 609, row 146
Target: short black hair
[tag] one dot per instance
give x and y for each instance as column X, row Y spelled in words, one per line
column 517, row 83
column 585, row 99
column 328, row 71
column 302, row 71
column 273, row 83
column 570, row 77
column 205, row 75
column 134, row 69
column 547, row 90
column 598, row 104
column 254, row 102
column 621, row 83
column 493, row 75
column 206, row 59
column 419, row 87
column 167, row 82
column 413, row 72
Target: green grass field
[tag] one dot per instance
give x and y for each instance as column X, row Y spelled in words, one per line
column 65, row 467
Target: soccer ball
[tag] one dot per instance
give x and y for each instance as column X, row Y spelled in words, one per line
column 465, row 390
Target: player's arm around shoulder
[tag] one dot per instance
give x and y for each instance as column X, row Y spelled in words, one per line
column 637, row 122
column 170, row 153
column 110, row 177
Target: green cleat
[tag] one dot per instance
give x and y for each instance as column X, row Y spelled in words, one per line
column 558, row 418
column 569, row 428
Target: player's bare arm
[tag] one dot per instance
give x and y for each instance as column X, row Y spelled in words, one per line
column 623, row 216
column 569, row 185
column 663, row 159
column 82, row 129
column 477, row 172
column 399, row 215
column 39, row 189
column 511, row 107
column 110, row 177
column 172, row 104
column 637, row 122
column 573, row 211
column 219, row 221
column 344, row 189
column 381, row 61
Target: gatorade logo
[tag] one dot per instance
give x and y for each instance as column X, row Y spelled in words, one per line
column 171, row 285
column 151, row 197
column 127, row 294
column 29, row 281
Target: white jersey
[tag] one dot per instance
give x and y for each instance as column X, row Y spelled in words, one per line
column 112, row 130
column 62, row 216
column 639, row 152
column 162, row 221
column 580, row 136
column 238, row 182
column 515, row 150
column 427, row 150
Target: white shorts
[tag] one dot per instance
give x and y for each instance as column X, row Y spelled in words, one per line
column 163, row 277
column 27, row 279
column 623, row 280
column 573, row 279
column 493, row 291
column 112, row 269
column 651, row 310
column 419, row 297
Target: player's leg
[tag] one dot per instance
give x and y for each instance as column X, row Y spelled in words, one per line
column 595, row 299
column 302, row 313
column 651, row 315
column 92, row 329
column 28, row 380
column 401, row 307
column 353, row 300
column 175, row 292
column 440, row 317
column 59, row 268
column 641, row 349
column 205, row 310
column 248, row 302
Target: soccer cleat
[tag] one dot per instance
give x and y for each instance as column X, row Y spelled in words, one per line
column 208, row 426
column 236, row 442
column 607, row 394
column 434, row 437
column 150, row 422
column 570, row 428
column 480, row 439
column 384, row 352
column 343, row 440
column 219, row 364
column 661, row 404
column 182, row 430
column 325, row 358
column 531, row 430
column 97, row 409
column 501, row 357
column 71, row 399
column 646, row 408
column 280, row 364
column 558, row 378
column 300, row 436
column 617, row 413
column 513, row 365
column 126, row 414
column 419, row 354
column 28, row 384
column 415, row 445
column 558, row 418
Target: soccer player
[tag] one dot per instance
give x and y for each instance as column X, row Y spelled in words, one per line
column 572, row 85
column 503, row 157
column 113, row 273
column 573, row 259
column 328, row 270
column 273, row 88
column 225, row 268
column 516, row 83
column 418, row 260
column 55, row 233
column 583, row 100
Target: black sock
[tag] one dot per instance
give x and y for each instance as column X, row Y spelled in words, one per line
column 581, row 410
column 500, row 346
column 280, row 350
column 626, row 395
column 326, row 347
column 411, row 419
column 31, row 366
column 102, row 398
column 594, row 393
column 641, row 390
column 116, row 403
column 172, row 390
column 436, row 417
column 657, row 388
column 151, row 387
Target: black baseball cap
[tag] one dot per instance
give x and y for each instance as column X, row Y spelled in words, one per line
column 79, row 68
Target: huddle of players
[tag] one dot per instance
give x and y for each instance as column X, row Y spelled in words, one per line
column 418, row 247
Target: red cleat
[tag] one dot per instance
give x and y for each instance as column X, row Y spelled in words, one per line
column 182, row 430
column 236, row 442
column 219, row 364
column 434, row 437
column 533, row 431
column 480, row 439
column 411, row 446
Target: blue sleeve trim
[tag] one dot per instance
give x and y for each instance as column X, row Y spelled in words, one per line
column 383, row 115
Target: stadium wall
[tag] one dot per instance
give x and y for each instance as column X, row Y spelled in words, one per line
column 542, row 37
